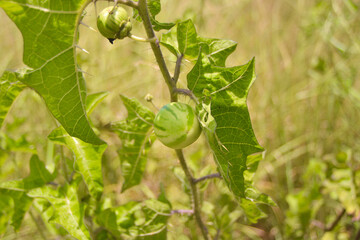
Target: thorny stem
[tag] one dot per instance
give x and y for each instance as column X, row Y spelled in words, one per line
column 142, row 8
column 144, row 14
column 214, row 175
column 194, row 192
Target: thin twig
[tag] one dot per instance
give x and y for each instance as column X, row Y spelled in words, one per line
column 217, row 234
column 177, row 68
column 357, row 237
column 186, row 92
column 37, row 225
column 194, row 193
column 129, row 3
column 337, row 220
column 182, row 211
column 214, row 175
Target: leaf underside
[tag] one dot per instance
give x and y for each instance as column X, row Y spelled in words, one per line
column 49, row 29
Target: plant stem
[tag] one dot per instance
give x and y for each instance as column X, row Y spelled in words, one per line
column 337, row 220
column 357, row 237
column 37, row 225
column 144, row 14
column 183, row 211
column 186, row 92
column 177, row 68
column 194, row 193
column 171, row 83
column 140, row 39
column 214, row 175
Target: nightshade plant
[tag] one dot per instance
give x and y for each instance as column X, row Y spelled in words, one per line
column 50, row 30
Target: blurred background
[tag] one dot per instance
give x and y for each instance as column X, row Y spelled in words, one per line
column 304, row 106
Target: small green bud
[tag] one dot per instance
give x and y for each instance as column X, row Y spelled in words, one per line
column 176, row 125
column 114, row 23
column 149, row 97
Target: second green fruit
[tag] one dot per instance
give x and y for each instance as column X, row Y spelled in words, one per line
column 114, row 23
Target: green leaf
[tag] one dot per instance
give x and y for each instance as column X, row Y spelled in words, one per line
column 252, row 212
column 93, row 100
column 223, row 92
column 49, row 29
column 87, row 158
column 187, row 39
column 217, row 50
column 159, row 25
column 16, row 145
column 21, row 204
column 184, row 40
column 251, row 192
column 16, row 189
column 135, row 134
column 10, row 88
column 6, row 211
column 38, row 177
column 68, row 212
column 155, row 216
column 154, row 7
column 140, row 220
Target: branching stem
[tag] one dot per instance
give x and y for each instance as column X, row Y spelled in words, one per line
column 177, row 68
column 214, row 175
column 142, row 8
column 140, row 39
column 186, row 92
column 183, row 211
column 194, row 193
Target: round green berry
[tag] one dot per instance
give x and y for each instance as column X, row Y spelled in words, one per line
column 114, row 23
column 176, row 125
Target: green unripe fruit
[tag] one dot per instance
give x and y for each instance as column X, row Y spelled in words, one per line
column 176, row 125
column 114, row 23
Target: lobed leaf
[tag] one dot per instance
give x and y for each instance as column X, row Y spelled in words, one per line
column 10, row 88
column 38, row 177
column 20, row 203
column 87, row 159
column 140, row 220
column 184, row 40
column 49, row 29
column 154, row 7
column 135, row 134
column 223, row 92
column 7, row 208
column 17, row 189
column 67, row 211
